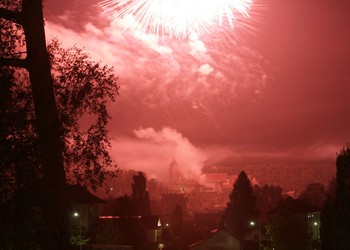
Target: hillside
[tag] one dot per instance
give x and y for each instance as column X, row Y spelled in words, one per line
column 290, row 176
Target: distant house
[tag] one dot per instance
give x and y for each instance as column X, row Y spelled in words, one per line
column 207, row 220
column 84, row 212
column 221, row 182
column 219, row 240
column 184, row 186
column 215, row 182
column 256, row 236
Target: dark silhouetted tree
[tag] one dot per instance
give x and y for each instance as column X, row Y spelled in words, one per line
column 29, row 15
column 37, row 132
column 140, row 195
column 241, row 208
column 129, row 222
column 125, row 206
column 133, row 231
column 167, row 235
column 130, row 208
column 314, row 194
column 327, row 216
column 136, row 204
column 83, row 88
column 17, row 161
column 267, row 198
column 170, row 201
column 109, row 234
column 335, row 213
column 287, row 225
column 327, row 225
column 176, row 221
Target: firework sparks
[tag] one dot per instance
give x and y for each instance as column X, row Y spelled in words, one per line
column 176, row 18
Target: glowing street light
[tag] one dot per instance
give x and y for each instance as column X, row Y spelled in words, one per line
column 76, row 214
column 252, row 223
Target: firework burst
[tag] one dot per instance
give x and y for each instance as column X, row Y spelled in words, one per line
column 176, row 18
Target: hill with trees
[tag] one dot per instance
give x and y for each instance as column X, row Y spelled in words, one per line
column 289, row 176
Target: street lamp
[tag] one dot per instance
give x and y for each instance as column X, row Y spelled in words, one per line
column 252, row 223
column 315, row 231
column 76, row 214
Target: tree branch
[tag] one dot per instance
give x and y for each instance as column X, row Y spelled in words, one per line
column 15, row 62
column 11, row 15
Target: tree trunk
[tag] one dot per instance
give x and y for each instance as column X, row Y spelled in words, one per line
column 48, row 127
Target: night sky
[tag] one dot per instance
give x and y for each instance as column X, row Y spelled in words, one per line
column 275, row 88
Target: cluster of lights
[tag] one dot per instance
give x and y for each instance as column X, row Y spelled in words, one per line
column 176, row 18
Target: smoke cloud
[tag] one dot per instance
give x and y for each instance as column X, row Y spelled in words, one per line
column 152, row 151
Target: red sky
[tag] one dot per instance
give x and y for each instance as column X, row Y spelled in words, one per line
column 277, row 92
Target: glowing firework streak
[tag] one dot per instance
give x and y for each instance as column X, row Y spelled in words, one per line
column 177, row 18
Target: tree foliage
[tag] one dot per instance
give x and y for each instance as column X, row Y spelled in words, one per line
column 241, row 208
column 287, row 225
column 125, row 206
column 32, row 135
column 170, row 201
column 140, row 195
column 130, row 208
column 138, row 203
column 314, row 194
column 109, row 234
column 83, row 89
column 335, row 216
column 16, row 148
column 268, row 196
column 26, row 18
column 327, row 216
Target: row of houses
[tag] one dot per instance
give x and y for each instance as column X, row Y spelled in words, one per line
column 86, row 217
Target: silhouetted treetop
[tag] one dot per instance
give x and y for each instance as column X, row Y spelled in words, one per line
column 241, row 208
column 335, row 216
column 140, row 195
column 314, row 193
column 268, row 196
column 83, row 89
